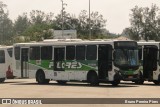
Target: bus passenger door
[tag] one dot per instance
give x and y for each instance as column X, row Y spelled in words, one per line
column 104, row 60
column 59, row 64
column 24, row 62
column 149, row 61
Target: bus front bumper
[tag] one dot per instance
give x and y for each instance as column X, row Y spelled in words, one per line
column 130, row 77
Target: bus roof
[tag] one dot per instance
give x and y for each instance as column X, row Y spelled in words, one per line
column 148, row 43
column 65, row 43
column 5, row 47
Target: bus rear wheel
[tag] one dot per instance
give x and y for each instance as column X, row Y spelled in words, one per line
column 156, row 82
column 40, row 77
column 2, row 80
column 61, row 82
column 92, row 78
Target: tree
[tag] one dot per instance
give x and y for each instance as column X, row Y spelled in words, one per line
column 97, row 24
column 132, row 33
column 70, row 21
column 6, row 28
column 21, row 24
column 81, row 24
column 39, row 17
column 38, row 26
column 83, row 30
column 37, row 32
column 145, row 23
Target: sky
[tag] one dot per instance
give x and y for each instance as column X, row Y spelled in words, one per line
column 116, row 12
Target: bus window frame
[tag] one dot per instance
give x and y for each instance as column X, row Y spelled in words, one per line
column 2, row 57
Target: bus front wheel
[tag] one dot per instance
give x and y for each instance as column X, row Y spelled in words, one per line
column 2, row 80
column 115, row 83
column 140, row 80
column 156, row 82
column 92, row 78
column 40, row 77
column 117, row 80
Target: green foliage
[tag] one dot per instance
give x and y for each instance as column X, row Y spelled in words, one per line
column 36, row 28
column 145, row 23
column 97, row 24
column 37, row 25
column 6, row 28
column 21, row 24
column 40, row 17
column 81, row 24
column 37, row 31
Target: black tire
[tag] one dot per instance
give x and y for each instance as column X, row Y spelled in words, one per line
column 92, row 78
column 46, row 81
column 40, row 77
column 117, row 79
column 156, row 82
column 2, row 80
column 140, row 80
column 61, row 82
column 115, row 83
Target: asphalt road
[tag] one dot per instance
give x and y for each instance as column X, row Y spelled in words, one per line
column 28, row 88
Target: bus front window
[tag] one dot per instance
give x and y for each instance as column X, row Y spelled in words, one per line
column 126, row 57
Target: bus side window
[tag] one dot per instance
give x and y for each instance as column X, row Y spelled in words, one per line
column 80, row 52
column 17, row 53
column 46, row 53
column 10, row 51
column 70, row 52
column 91, row 53
column 2, row 56
column 35, row 53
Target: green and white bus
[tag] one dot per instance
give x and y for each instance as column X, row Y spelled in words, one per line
column 88, row 61
column 149, row 62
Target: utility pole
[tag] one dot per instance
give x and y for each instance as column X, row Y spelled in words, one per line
column 89, row 21
column 62, row 15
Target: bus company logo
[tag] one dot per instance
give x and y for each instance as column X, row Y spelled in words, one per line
column 72, row 65
column 50, row 65
column 6, row 101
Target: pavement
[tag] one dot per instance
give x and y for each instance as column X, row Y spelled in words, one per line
column 28, row 88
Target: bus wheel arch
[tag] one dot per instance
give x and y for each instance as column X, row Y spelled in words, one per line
column 92, row 78
column 40, row 77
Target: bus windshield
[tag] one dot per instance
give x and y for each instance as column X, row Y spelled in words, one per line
column 126, row 58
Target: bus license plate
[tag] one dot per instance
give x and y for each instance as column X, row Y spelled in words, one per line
column 130, row 76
